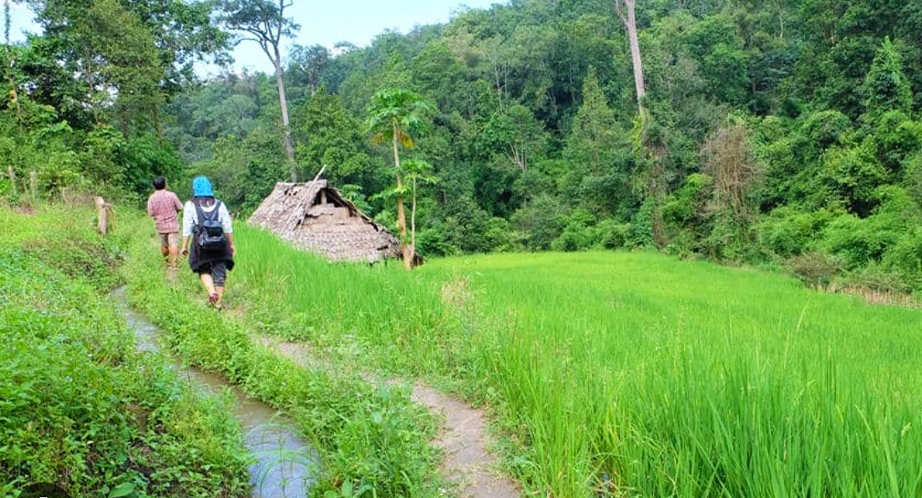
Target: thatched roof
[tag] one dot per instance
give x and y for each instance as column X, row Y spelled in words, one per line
column 316, row 217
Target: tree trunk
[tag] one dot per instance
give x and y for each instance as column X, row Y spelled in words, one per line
column 9, row 169
column 405, row 249
column 9, row 54
column 630, row 23
column 283, row 101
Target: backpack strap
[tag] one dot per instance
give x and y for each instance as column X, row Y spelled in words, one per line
column 201, row 215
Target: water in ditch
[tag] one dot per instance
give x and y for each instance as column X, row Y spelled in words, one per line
column 285, row 462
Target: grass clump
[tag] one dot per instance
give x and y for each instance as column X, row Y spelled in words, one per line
column 82, row 412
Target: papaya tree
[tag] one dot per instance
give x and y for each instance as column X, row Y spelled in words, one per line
column 394, row 115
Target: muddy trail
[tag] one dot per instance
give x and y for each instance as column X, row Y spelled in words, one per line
column 463, row 437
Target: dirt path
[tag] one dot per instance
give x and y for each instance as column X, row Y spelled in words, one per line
column 463, row 437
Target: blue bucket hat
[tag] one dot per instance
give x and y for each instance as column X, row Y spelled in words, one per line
column 201, row 187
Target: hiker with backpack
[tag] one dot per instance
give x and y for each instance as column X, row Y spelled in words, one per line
column 208, row 240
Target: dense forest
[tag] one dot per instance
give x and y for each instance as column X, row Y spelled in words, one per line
column 777, row 133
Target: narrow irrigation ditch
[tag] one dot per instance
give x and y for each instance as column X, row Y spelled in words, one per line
column 285, row 463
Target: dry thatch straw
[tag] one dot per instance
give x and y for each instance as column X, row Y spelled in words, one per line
column 316, row 217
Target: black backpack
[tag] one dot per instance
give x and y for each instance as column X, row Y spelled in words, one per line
column 209, row 233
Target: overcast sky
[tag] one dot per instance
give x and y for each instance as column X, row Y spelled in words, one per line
column 325, row 22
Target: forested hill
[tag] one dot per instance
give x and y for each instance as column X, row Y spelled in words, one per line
column 781, row 132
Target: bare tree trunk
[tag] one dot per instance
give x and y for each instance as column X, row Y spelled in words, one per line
column 9, row 169
column 283, row 101
column 630, row 23
column 9, row 53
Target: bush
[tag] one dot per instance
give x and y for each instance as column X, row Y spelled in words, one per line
column 611, row 234
column 540, row 222
column 816, row 270
column 787, row 232
column 905, row 258
column 858, row 242
column 578, row 234
column 642, row 226
column 912, row 177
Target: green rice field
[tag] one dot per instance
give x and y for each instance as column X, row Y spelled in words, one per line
column 630, row 374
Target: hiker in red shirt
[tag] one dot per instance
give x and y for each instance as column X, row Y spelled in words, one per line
column 162, row 206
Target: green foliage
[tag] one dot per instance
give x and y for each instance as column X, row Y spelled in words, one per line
column 856, row 241
column 329, row 136
column 787, row 232
column 886, row 88
column 686, row 203
column 897, row 137
column 100, row 158
column 584, row 231
column 245, row 171
column 540, row 222
column 395, row 114
column 81, row 407
column 913, row 177
column 719, row 52
column 854, row 173
column 143, row 158
column 642, row 226
column 39, row 142
column 576, row 235
column 598, row 175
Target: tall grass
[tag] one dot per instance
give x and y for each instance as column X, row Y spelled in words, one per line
column 348, row 311
column 670, row 378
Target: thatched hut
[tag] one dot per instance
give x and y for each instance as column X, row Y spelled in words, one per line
column 315, row 217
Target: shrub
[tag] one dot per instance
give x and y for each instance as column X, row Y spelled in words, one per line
column 815, row 269
column 611, row 234
column 540, row 222
column 787, row 232
column 905, row 258
column 577, row 234
column 858, row 241
column 642, row 225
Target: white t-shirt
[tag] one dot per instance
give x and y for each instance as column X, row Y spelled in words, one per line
column 190, row 217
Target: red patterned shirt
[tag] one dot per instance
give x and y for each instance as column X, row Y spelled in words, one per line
column 162, row 206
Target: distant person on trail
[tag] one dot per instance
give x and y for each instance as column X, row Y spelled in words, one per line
column 208, row 240
column 163, row 206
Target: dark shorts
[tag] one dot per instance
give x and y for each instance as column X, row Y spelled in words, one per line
column 217, row 270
